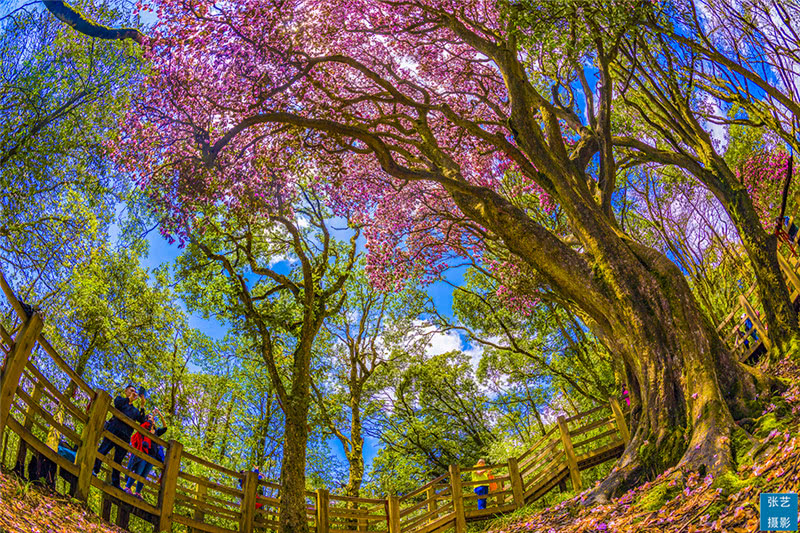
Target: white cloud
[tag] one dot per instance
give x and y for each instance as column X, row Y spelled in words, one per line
column 475, row 352
column 440, row 343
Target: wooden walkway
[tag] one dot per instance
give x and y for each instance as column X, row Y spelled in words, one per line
column 43, row 400
column 743, row 329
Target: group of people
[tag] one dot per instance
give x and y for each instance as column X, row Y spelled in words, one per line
column 132, row 405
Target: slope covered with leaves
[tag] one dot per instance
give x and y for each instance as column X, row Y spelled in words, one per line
column 678, row 503
column 24, row 508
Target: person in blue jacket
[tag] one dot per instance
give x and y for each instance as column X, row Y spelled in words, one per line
column 121, row 430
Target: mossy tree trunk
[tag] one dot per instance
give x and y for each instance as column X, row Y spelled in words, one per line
column 685, row 386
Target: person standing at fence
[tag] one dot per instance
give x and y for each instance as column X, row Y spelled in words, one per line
column 142, row 442
column 127, row 405
column 482, row 474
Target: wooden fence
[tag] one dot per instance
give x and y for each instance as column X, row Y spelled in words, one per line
column 743, row 329
column 43, row 401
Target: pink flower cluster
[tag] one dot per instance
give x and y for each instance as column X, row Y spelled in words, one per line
column 248, row 102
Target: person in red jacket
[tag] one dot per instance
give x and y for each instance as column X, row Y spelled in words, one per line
column 140, row 441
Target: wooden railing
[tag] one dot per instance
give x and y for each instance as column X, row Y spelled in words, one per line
column 743, row 329
column 42, row 400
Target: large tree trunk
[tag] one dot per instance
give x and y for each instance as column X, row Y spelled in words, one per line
column 685, row 387
column 293, row 469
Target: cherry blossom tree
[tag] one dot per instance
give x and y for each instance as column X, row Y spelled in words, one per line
column 444, row 124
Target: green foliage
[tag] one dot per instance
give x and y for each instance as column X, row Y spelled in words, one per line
column 438, row 417
column 63, row 96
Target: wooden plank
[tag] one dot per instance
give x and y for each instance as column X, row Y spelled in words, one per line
column 436, row 525
column 431, row 497
column 584, row 414
column 572, row 462
column 248, row 507
column 113, row 465
column 342, row 498
column 187, row 456
column 59, row 361
column 458, row 499
column 541, row 453
column 213, row 485
column 206, row 508
column 169, row 482
column 789, row 272
column 27, row 423
column 537, row 491
column 482, row 514
column 11, row 297
column 593, row 425
column 551, row 451
column 541, row 442
column 415, row 507
column 41, row 447
column 352, row 514
column 423, row 488
column 762, row 331
column 6, row 339
column 585, row 442
column 70, row 433
column 15, row 363
column 131, row 450
column 412, row 523
column 201, row 491
column 57, row 395
column 137, row 427
column 200, row 526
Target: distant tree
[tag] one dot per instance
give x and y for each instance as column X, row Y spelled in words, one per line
column 62, row 97
column 364, row 336
column 275, row 275
column 436, row 416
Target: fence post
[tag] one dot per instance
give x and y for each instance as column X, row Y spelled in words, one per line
column 618, row 416
column 323, row 502
column 572, row 460
column 756, row 321
column 199, row 513
column 248, row 507
column 458, row 499
column 15, row 364
column 394, row 514
column 431, row 495
column 517, row 488
column 19, row 464
column 169, row 483
column 90, row 439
